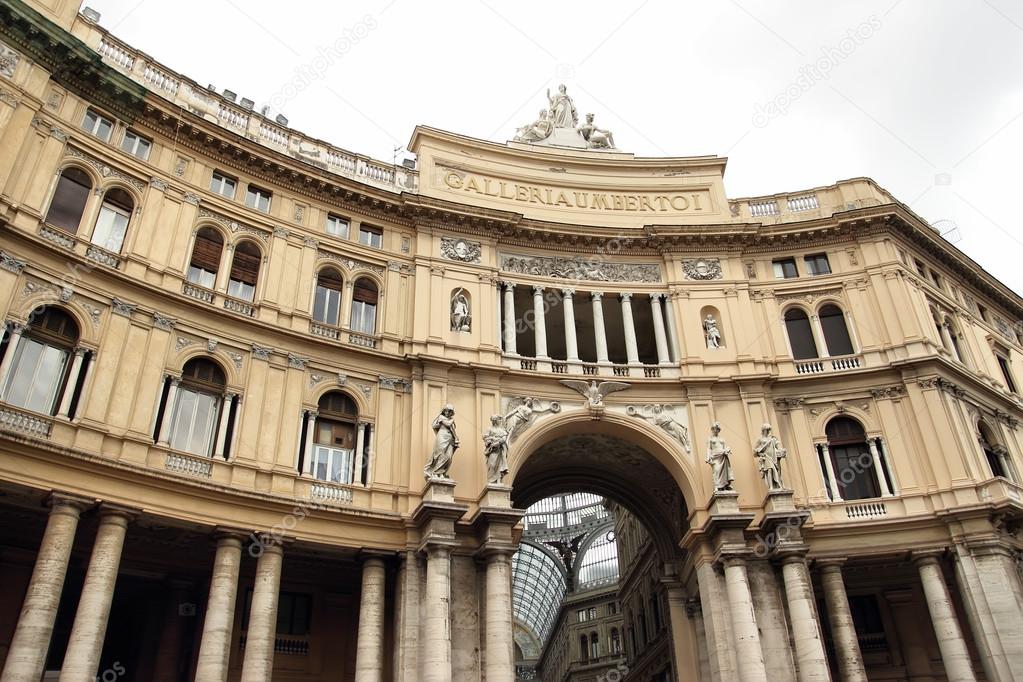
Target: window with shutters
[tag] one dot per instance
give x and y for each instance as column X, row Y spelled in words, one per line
column 327, row 299
column 364, row 306
column 40, row 365
column 113, row 219
column 244, row 271
column 69, row 199
column 800, row 334
column 206, row 252
column 334, row 441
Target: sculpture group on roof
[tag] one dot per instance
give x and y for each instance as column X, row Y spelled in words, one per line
column 561, row 115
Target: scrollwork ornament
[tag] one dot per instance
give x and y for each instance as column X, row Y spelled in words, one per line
column 460, row 249
column 702, row 268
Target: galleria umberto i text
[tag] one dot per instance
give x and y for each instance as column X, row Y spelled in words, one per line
column 271, row 410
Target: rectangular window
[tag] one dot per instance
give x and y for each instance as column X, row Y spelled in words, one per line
column 612, row 609
column 817, row 264
column 785, row 268
column 326, row 305
column 258, row 199
column 581, row 613
column 136, row 145
column 364, row 317
column 920, row 269
column 38, row 370
column 98, row 125
column 223, row 185
column 982, row 311
column 195, row 421
column 111, row 225
column 332, row 464
column 1003, row 364
column 371, row 236
column 337, row 226
column 936, row 278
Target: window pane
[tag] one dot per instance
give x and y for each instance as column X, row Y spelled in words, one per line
column 110, row 228
column 194, row 421
column 36, row 376
column 326, row 305
column 69, row 199
column 203, row 278
column 363, row 317
column 836, row 335
column 797, row 325
column 241, row 290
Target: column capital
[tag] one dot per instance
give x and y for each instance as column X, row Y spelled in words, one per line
column 925, row 557
column 226, row 535
column 693, row 607
column 373, row 556
column 656, row 296
column 538, row 289
column 108, row 510
column 312, row 413
column 437, row 550
column 60, row 502
column 596, row 295
column 507, row 284
column 80, row 351
column 16, row 327
column 626, row 296
column 830, row 565
column 567, row 293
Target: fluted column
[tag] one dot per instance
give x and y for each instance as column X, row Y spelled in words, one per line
column 631, row 349
column 310, row 437
column 258, row 663
column 215, row 646
column 369, row 656
column 435, row 651
column 663, row 357
column 882, row 480
column 748, row 654
column 599, row 332
column 954, row 654
column 27, row 654
column 539, row 323
column 16, row 329
column 500, row 662
column 72, row 383
column 843, row 631
column 568, row 305
column 509, row 318
column 81, row 659
column 168, row 412
column 806, row 630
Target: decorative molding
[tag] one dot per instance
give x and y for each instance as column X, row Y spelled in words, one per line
column 342, row 379
column 163, row 322
column 105, row 170
column 460, row 249
column 297, row 362
column 191, row 198
column 888, row 392
column 211, row 345
column 11, row 264
column 702, row 268
column 664, row 417
column 596, row 270
column 281, row 233
column 233, row 225
column 8, row 60
column 9, row 98
column 236, row 359
column 806, row 296
column 751, row 270
column 261, row 353
column 366, row 389
column 183, row 342
column 520, row 412
column 406, row 244
column 311, row 243
column 122, row 307
column 1007, row 419
column 395, row 384
column 398, row 266
column 928, row 383
column 788, row 404
column 349, row 263
column 159, row 184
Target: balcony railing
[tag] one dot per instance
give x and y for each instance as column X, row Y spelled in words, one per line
column 866, row 510
column 197, row 292
column 289, row 645
column 102, row 256
column 13, row 419
column 236, row 305
column 329, row 492
column 324, row 330
column 822, row 365
column 58, row 237
column 186, row 464
column 360, row 339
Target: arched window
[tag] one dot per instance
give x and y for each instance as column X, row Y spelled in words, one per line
column 641, row 620
column 327, row 300
column 244, row 271
column 364, row 306
column 584, row 648
column 39, row 365
column 197, row 406
column 69, row 199
column 112, row 223
column 836, row 334
column 953, row 336
column 616, row 642
column 852, row 459
column 333, row 451
column 594, row 646
column 996, row 454
column 205, row 263
column 797, row 325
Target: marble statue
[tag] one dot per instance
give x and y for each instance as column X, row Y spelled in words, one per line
column 495, row 449
column 711, row 331
column 674, row 428
column 596, row 138
column 540, row 129
column 461, row 320
column 522, row 412
column 719, row 458
column 562, row 108
column 445, row 444
column 594, row 392
column 769, row 454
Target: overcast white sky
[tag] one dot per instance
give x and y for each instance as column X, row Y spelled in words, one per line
column 924, row 96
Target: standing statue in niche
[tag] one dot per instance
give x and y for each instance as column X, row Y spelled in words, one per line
column 769, row 453
column 495, row 449
column 719, row 458
column 563, row 113
column 461, row 319
column 540, row 129
column 444, row 446
column 596, row 138
column 711, row 332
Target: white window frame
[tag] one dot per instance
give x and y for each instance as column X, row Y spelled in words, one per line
column 16, row 376
column 337, row 226
column 94, row 126
column 219, row 181
column 177, row 414
column 103, row 239
column 357, row 321
column 331, row 299
column 257, row 195
column 343, row 458
column 371, row 237
column 133, row 147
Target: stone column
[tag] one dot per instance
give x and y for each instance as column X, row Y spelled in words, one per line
column 369, row 656
column 27, row 654
column 843, row 632
column 818, row 332
column 748, row 654
column 16, row 330
column 168, row 412
column 72, row 383
column 812, row 662
column 310, row 437
column 836, row 495
column 215, row 646
column 672, row 325
column 500, row 662
column 435, row 649
column 509, row 318
column 571, row 343
column 225, row 417
column 882, row 480
column 954, row 653
column 599, row 332
column 360, row 452
column 81, row 659
column 539, row 323
column 258, row 663
column 663, row 357
column 631, row 349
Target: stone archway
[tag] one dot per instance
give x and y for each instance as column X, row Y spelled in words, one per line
column 634, row 466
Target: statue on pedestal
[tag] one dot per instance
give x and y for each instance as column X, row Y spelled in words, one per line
column 769, row 453
column 445, row 444
column 711, row 332
column 563, row 114
column 540, row 129
column 596, row 138
column 495, row 449
column 718, row 457
column 461, row 319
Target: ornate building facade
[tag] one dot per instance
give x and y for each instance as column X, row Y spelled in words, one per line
column 231, row 351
